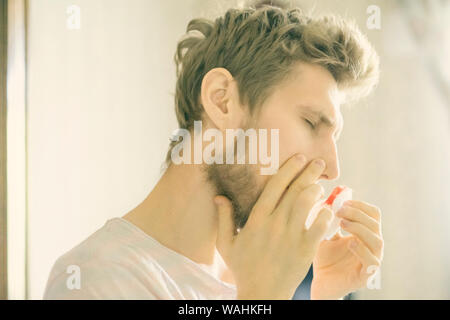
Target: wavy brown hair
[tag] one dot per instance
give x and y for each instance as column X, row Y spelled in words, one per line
column 259, row 46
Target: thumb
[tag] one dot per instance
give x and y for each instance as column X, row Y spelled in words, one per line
column 320, row 226
column 225, row 231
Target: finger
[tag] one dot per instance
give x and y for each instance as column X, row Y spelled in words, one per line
column 225, row 231
column 320, row 226
column 371, row 210
column 338, row 235
column 367, row 258
column 368, row 237
column 277, row 185
column 296, row 216
column 356, row 215
column 308, row 177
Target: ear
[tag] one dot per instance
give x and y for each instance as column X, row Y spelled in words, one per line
column 220, row 100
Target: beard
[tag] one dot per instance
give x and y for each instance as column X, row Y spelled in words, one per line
column 237, row 182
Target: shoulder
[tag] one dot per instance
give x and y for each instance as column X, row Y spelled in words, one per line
column 107, row 265
column 96, row 280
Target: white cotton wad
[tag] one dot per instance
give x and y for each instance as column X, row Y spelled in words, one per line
column 344, row 195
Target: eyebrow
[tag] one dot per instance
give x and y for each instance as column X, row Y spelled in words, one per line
column 323, row 119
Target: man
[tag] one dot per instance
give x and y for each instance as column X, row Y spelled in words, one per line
column 223, row 230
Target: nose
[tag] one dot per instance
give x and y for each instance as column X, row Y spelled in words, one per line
column 330, row 156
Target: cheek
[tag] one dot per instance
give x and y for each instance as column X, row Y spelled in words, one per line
column 294, row 138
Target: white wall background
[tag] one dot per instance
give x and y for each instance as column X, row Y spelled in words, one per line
column 100, row 103
column 100, row 110
column 395, row 152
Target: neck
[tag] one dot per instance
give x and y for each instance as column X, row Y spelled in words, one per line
column 180, row 213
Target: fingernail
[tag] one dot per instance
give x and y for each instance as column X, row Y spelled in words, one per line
column 218, row 201
column 320, row 162
column 301, row 157
column 353, row 244
column 339, row 212
column 348, row 202
column 344, row 222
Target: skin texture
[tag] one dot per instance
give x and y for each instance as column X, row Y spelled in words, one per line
column 261, row 255
column 310, row 88
column 188, row 221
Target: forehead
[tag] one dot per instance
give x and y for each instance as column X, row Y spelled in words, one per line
column 311, row 81
column 313, row 88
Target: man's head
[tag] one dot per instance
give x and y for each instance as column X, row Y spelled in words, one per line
column 271, row 68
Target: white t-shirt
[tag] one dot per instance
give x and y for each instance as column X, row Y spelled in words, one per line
column 120, row 261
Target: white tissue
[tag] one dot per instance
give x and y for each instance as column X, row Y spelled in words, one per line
column 343, row 196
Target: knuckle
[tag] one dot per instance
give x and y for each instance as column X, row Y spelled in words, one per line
column 347, row 225
column 378, row 228
column 348, row 212
column 314, row 191
column 297, row 187
column 377, row 212
column 379, row 244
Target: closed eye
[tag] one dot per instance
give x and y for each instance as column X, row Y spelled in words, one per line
column 310, row 124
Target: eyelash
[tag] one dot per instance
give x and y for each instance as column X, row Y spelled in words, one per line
column 310, row 124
